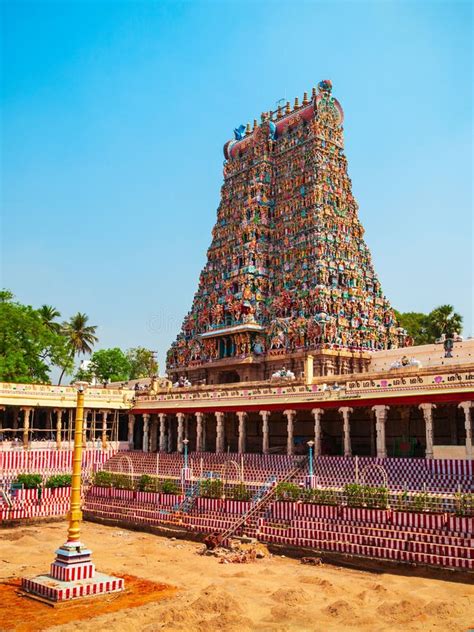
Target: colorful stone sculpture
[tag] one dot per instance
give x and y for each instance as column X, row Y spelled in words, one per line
column 288, row 268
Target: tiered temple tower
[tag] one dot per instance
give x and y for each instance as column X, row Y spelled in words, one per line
column 288, row 272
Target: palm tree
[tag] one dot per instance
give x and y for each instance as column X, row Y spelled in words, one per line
column 48, row 315
column 81, row 336
column 444, row 320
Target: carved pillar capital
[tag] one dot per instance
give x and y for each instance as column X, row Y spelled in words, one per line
column 346, row 410
column 427, row 408
column 381, row 411
column 466, row 406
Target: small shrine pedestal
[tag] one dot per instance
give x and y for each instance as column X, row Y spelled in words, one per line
column 72, row 575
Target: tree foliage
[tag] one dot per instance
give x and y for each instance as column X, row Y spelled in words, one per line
column 444, row 320
column 427, row 328
column 81, row 336
column 142, row 363
column 116, row 366
column 29, row 346
column 110, row 365
column 416, row 325
column 33, row 341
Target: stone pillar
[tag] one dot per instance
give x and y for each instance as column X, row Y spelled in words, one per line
column 428, row 416
column 317, row 414
column 154, row 434
column 345, row 412
column 179, row 445
column 242, row 417
column 381, row 413
column 146, row 420
column 131, row 429
column 466, row 406
column 199, row 417
column 265, row 414
column 162, row 418
column 26, row 426
column 59, row 419
column 104, row 429
column 219, row 432
column 290, row 416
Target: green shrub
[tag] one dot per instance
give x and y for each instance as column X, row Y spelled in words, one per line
column 122, row 481
column 29, row 481
column 211, row 488
column 144, row 482
column 240, row 492
column 354, row 494
column 420, row 501
column 401, row 502
column 464, row 504
column 288, row 491
column 424, row 502
column 325, row 497
column 59, row 480
column 148, row 483
column 169, row 487
column 366, row 496
column 375, row 497
column 103, row 479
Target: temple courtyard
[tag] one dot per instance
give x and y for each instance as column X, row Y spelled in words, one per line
column 275, row 593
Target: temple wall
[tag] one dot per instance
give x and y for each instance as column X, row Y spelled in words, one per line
column 428, row 355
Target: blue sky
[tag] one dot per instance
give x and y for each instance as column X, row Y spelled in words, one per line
column 114, row 116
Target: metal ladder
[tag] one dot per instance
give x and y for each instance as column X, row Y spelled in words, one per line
column 263, row 501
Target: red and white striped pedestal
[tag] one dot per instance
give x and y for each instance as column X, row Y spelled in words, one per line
column 72, row 575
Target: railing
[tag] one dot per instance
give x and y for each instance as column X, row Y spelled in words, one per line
column 262, row 501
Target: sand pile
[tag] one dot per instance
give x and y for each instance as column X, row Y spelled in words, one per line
column 291, row 596
column 275, row 594
column 213, row 610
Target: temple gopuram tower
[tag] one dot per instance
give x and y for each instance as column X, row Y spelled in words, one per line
column 288, row 274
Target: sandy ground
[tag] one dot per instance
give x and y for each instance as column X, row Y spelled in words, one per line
column 274, row 594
